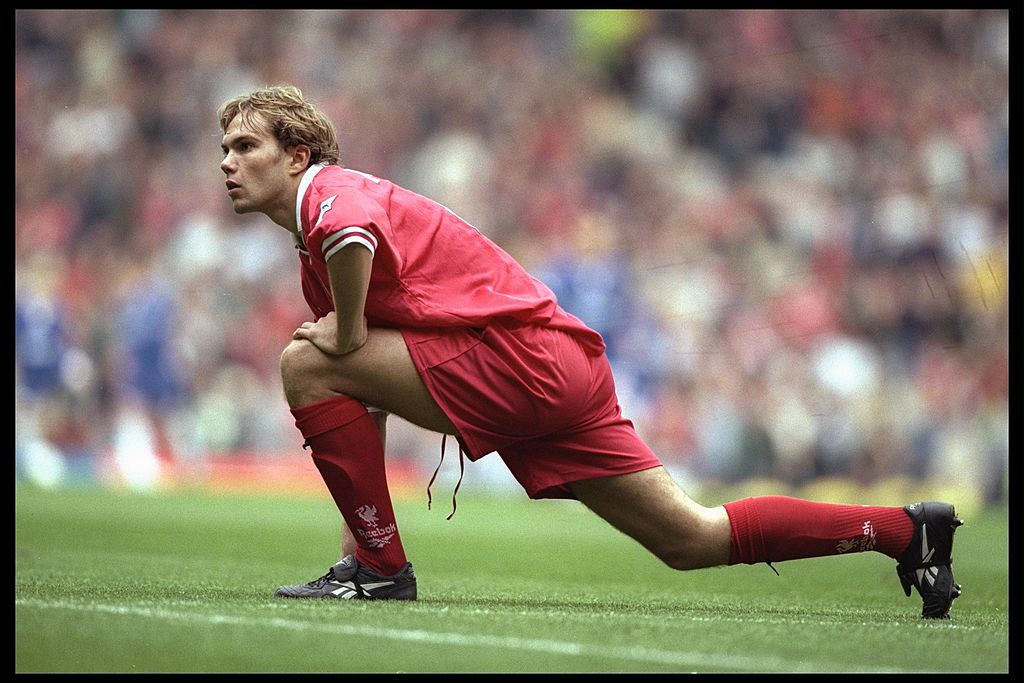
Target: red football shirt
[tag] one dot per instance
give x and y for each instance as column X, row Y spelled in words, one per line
column 430, row 267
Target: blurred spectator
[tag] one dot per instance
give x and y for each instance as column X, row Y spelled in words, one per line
column 790, row 226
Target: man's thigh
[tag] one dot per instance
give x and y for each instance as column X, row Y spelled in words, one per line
column 652, row 509
column 380, row 374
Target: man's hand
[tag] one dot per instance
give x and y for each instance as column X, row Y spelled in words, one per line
column 324, row 335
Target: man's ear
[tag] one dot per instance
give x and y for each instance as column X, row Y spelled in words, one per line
column 298, row 158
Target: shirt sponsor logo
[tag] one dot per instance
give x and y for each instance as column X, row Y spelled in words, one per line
column 325, row 206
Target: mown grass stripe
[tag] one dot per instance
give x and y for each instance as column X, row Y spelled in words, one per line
column 679, row 658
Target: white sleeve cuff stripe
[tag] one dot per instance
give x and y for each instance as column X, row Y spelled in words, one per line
column 354, row 239
column 348, row 232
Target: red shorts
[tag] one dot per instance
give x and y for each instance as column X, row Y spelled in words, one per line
column 534, row 396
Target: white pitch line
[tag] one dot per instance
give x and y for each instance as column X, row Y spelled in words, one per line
column 690, row 661
column 715, row 619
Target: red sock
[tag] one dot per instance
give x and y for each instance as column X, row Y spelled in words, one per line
column 777, row 528
column 347, row 450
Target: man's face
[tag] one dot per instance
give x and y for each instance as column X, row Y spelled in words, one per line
column 256, row 167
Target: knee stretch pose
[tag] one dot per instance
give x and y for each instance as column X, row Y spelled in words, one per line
column 418, row 314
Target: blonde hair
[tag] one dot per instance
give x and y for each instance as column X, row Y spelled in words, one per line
column 291, row 119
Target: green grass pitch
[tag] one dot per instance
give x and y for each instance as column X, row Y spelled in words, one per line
column 183, row 581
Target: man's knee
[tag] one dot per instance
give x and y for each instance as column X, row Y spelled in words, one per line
column 296, row 360
column 302, row 373
column 680, row 558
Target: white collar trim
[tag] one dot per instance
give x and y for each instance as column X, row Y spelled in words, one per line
column 307, row 178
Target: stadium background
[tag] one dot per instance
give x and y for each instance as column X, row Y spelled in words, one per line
column 790, row 227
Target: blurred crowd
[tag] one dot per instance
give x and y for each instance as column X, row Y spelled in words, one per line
column 789, row 226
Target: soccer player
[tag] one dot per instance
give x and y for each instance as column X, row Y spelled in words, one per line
column 418, row 314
